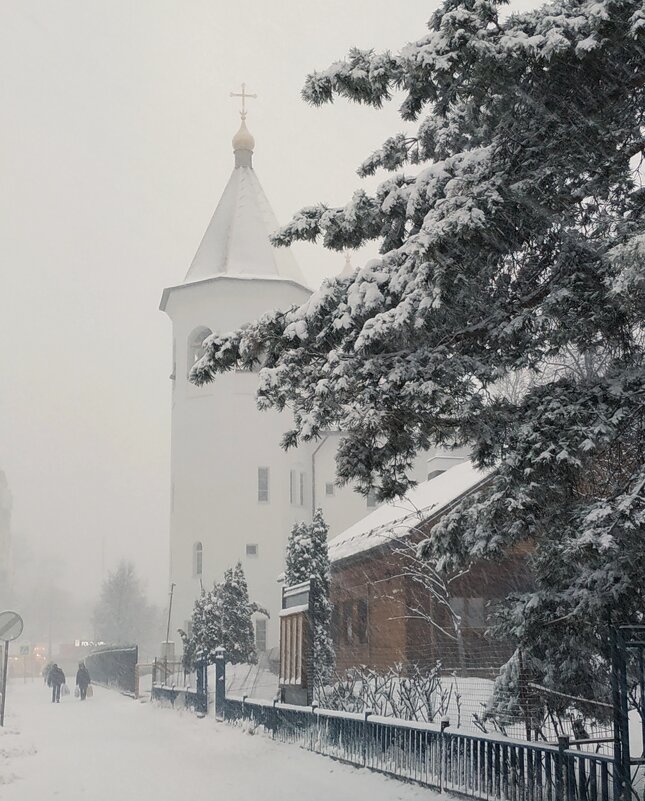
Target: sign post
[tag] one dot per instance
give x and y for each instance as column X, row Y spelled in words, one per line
column 11, row 626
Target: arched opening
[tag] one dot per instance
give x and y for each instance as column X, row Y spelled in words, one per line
column 196, row 346
column 198, row 558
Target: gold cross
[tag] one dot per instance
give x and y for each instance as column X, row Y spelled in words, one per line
column 243, row 94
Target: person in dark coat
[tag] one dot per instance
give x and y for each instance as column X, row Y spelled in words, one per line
column 55, row 680
column 82, row 679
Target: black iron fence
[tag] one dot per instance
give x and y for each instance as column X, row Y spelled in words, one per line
column 189, row 688
column 481, row 766
column 183, row 697
column 115, row 666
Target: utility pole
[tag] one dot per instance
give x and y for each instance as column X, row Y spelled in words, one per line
column 172, row 590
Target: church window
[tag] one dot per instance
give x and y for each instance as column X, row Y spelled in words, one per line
column 196, row 345
column 261, row 634
column 371, row 499
column 302, row 489
column 251, row 550
column 198, row 559
column 292, row 487
column 329, row 488
column 263, row 484
column 361, row 621
column 348, row 622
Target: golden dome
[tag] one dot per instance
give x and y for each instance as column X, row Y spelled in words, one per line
column 243, row 140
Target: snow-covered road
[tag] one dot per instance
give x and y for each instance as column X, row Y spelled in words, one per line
column 111, row 747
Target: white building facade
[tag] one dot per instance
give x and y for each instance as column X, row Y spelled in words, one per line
column 235, row 493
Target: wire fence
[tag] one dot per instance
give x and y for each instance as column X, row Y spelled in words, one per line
column 483, row 700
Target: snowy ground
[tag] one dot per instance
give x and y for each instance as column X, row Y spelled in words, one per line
column 113, row 747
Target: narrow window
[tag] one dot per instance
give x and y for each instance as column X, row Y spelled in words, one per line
column 348, row 622
column 329, row 488
column 261, row 635
column 198, row 558
column 475, row 614
column 196, row 346
column 263, row 484
column 335, row 624
column 371, row 499
column 251, row 550
column 302, row 489
column 361, row 621
column 292, row 487
column 458, row 608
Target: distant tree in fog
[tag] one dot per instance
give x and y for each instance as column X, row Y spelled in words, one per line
column 122, row 613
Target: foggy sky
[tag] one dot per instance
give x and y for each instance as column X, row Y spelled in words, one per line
column 115, row 130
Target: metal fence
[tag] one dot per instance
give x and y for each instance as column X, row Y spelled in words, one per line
column 188, row 688
column 115, row 666
column 480, row 766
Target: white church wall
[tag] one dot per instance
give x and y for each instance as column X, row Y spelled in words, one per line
column 219, row 440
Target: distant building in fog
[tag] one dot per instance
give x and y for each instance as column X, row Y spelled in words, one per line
column 6, row 564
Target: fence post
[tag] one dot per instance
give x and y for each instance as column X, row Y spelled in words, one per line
column 366, row 715
column 445, row 722
column 220, row 683
column 202, row 687
column 562, row 772
column 622, row 756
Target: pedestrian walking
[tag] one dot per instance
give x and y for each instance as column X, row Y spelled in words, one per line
column 55, row 680
column 46, row 672
column 82, row 680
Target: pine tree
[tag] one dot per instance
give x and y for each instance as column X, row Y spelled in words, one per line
column 308, row 559
column 206, row 634
column 222, row 618
column 299, row 555
column 237, row 623
column 512, row 231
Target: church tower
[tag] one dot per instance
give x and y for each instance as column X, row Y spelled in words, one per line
column 235, row 493
column 232, row 486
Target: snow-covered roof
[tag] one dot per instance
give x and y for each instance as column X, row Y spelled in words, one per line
column 237, row 238
column 396, row 519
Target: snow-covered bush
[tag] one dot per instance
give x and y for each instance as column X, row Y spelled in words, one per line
column 308, row 560
column 222, row 617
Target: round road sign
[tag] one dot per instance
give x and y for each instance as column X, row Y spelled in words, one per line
column 10, row 626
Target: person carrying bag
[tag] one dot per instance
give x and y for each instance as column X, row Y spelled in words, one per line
column 82, row 680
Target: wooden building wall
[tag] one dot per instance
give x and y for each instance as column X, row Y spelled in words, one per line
column 374, row 623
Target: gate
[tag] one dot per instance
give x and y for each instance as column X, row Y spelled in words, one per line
column 628, row 693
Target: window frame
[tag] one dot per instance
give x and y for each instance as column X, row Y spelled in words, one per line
column 195, row 345
column 260, row 623
column 198, row 559
column 263, row 470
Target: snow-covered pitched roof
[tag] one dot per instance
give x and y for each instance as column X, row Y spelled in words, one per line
column 396, row 519
column 237, row 238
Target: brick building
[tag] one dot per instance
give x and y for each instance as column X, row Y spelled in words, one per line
column 384, row 612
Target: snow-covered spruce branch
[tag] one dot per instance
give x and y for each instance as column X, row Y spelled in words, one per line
column 518, row 239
